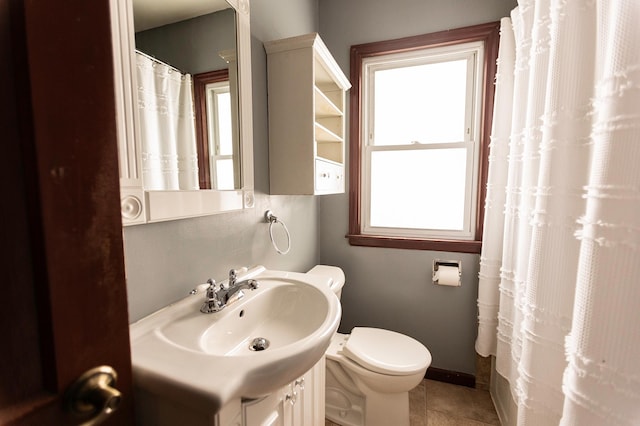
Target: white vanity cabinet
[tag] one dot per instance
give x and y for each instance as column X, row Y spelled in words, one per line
column 306, row 117
column 300, row 403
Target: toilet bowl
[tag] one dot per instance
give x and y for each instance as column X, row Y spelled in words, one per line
column 370, row 371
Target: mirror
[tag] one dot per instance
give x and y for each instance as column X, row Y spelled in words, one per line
column 203, row 45
column 210, row 41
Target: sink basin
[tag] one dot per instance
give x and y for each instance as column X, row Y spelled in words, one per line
column 281, row 311
column 256, row 345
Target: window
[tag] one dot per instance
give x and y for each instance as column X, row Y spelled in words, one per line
column 215, row 136
column 420, row 120
column 220, row 137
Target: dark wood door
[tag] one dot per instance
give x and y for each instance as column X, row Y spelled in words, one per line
column 63, row 305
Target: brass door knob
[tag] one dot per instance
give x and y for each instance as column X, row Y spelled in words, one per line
column 93, row 397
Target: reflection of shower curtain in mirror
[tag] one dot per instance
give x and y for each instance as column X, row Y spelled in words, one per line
column 167, row 127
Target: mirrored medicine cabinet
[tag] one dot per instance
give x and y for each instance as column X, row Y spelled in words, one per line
column 221, row 73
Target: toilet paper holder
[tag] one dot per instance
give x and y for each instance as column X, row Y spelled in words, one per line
column 447, row 272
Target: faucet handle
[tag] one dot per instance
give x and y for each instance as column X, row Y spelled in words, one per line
column 233, row 275
column 212, row 302
column 212, row 289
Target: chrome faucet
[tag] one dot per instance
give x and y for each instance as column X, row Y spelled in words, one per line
column 218, row 297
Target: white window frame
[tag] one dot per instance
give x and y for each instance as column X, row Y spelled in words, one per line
column 212, row 90
column 473, row 52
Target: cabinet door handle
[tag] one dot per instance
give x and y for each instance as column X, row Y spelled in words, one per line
column 291, row 398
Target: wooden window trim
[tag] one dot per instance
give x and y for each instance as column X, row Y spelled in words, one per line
column 200, row 82
column 489, row 34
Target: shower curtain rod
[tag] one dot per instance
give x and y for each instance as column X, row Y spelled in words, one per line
column 154, row 59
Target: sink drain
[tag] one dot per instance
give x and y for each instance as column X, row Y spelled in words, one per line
column 259, row 344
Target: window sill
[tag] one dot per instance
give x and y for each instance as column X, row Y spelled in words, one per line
column 455, row 246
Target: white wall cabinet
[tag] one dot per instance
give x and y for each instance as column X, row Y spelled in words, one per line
column 306, row 117
column 139, row 206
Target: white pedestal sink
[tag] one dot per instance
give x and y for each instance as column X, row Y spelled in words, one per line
column 204, row 361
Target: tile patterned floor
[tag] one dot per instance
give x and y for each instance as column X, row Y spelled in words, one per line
column 435, row 403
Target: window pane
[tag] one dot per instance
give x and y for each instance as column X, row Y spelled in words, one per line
column 423, row 103
column 224, row 174
column 223, row 101
column 422, row 189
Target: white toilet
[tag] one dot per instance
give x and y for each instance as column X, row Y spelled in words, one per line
column 370, row 371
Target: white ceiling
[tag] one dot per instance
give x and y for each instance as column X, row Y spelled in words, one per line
column 154, row 13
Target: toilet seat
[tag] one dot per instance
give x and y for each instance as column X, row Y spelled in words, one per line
column 385, row 351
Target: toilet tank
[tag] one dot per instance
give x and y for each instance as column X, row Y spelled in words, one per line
column 334, row 273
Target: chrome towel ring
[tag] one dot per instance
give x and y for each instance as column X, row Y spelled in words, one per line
column 271, row 218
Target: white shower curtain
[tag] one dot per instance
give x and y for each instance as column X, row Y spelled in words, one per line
column 167, row 126
column 559, row 295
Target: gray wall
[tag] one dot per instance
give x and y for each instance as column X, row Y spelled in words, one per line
column 165, row 260
column 192, row 46
column 392, row 288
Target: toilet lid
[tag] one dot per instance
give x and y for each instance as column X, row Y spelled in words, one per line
column 386, row 352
